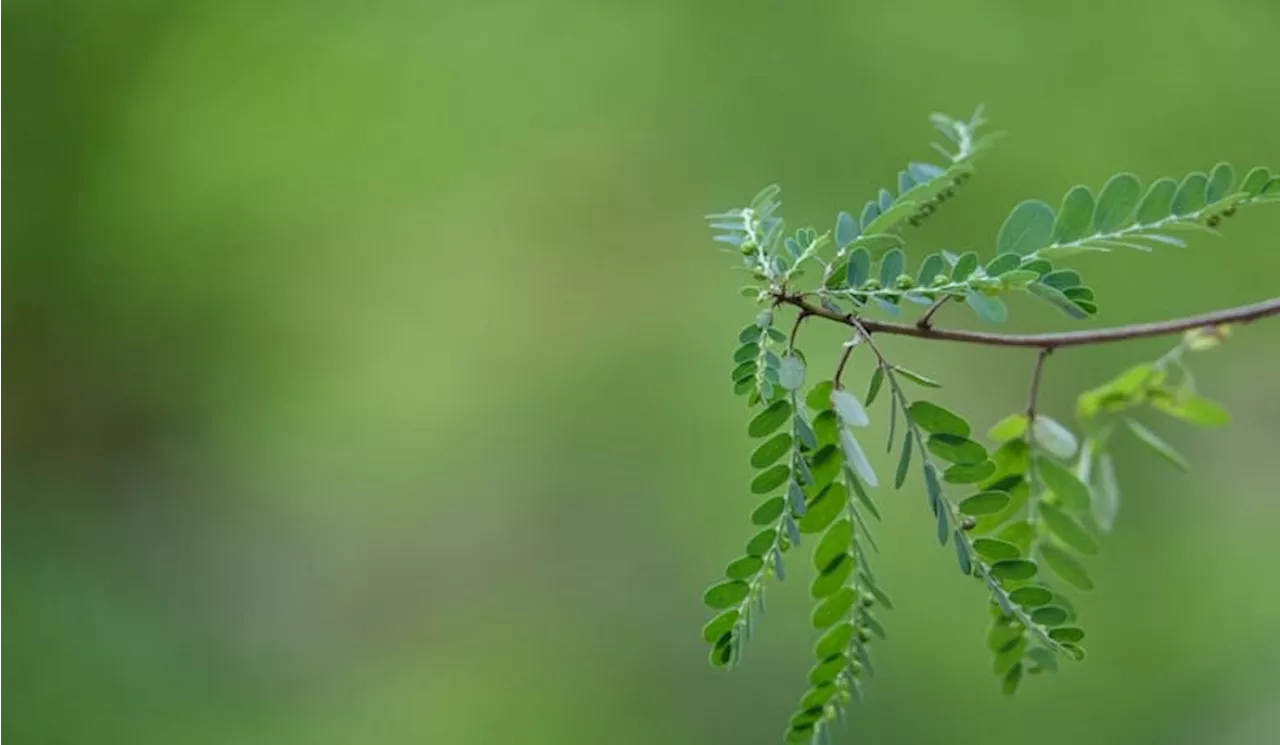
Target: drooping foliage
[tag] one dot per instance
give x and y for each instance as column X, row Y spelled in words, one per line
column 1024, row 507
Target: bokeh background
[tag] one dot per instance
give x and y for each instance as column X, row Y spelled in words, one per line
column 366, row 364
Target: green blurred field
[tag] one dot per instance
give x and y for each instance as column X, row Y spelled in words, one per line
column 367, row 364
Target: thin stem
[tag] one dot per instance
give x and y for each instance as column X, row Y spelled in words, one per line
column 1032, row 397
column 925, row 321
column 1035, row 383
column 795, row 328
column 844, row 360
column 1241, row 314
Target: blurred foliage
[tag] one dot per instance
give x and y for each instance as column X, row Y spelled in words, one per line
column 364, row 363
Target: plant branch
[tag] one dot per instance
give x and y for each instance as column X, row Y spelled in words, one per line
column 1241, row 314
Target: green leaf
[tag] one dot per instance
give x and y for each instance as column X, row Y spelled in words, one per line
column 832, row 577
column 761, row 542
column 1054, row 437
column 1010, row 428
column 887, row 219
column 1073, row 216
column 767, row 481
column 1049, row 615
column 746, row 353
column 825, row 464
column 833, row 609
column 767, row 421
column 833, row 641
column 956, row 449
column 1062, row 279
column 931, row 267
column 993, row 549
column 1031, row 596
column 962, row 554
column 1255, row 180
column 819, row 396
column 1055, row 297
column 1116, row 202
column 937, row 420
column 873, row 389
column 849, row 409
column 835, row 542
column 968, row 473
column 1003, row 264
column 1026, row 229
column 904, row 462
column 863, row 496
column 1159, row 446
column 1067, row 568
column 1068, row 530
column 1193, row 409
column 1013, row 569
column 859, row 269
column 750, row 334
column 1190, row 196
column 768, row 511
column 722, row 652
column 984, row 503
column 1019, row 534
column 744, row 568
column 856, row 459
column 846, row 230
column 1158, row 202
column 1009, row 683
column 824, row 508
column 1067, row 634
column 1003, row 635
column 827, row 670
column 990, row 309
column 791, row 373
column 719, row 626
column 725, row 594
column 965, row 266
column 916, row 378
column 1062, row 482
column 771, row 450
column 890, row 267
column 1220, row 180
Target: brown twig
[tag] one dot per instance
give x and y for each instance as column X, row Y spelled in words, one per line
column 1241, row 314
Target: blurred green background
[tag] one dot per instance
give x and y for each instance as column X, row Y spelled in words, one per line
column 366, row 364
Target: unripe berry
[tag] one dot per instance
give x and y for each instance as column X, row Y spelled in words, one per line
column 871, row 284
column 864, row 634
column 904, row 282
